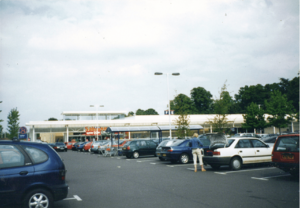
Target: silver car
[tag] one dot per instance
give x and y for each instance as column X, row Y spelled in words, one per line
column 96, row 144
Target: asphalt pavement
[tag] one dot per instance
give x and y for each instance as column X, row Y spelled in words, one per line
column 147, row 182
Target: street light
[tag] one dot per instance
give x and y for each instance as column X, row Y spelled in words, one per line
column 97, row 115
column 174, row 74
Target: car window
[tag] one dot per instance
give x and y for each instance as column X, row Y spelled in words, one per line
column 36, row 155
column 229, row 142
column 10, row 156
column 142, row 143
column 287, row 144
column 257, row 143
column 178, row 142
column 243, row 143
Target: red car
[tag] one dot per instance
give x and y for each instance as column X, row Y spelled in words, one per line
column 87, row 147
column 69, row 145
column 285, row 155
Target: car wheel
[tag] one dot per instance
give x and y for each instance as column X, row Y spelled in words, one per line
column 38, row 198
column 235, row 163
column 136, row 155
column 184, row 158
column 216, row 167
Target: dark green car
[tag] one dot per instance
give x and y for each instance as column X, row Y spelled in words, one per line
column 139, row 147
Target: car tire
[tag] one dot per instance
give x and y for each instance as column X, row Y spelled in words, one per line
column 216, row 167
column 37, row 196
column 235, row 163
column 136, row 155
column 184, row 159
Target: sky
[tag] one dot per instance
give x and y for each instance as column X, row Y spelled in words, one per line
column 65, row 55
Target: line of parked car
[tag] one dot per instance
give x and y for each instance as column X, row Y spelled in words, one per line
column 281, row 151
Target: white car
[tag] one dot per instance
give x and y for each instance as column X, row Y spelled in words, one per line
column 239, row 151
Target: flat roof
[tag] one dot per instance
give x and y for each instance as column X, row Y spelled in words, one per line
column 93, row 112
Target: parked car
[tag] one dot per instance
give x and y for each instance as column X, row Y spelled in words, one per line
column 31, row 174
column 164, row 143
column 237, row 152
column 285, row 155
column 96, row 145
column 80, row 146
column 59, row 146
column 87, row 147
column 269, row 140
column 139, row 147
column 69, row 145
column 182, row 152
column 105, row 145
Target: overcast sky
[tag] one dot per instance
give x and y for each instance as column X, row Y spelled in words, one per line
column 66, row 55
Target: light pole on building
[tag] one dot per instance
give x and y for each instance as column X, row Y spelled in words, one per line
column 174, row 74
column 97, row 115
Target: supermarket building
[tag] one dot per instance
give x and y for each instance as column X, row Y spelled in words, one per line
column 91, row 125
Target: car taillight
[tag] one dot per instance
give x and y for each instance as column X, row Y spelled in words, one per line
column 128, row 148
column 93, row 146
column 170, row 150
column 62, row 174
column 216, row 153
column 55, row 147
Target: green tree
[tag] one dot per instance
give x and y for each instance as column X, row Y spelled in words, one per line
column 254, row 119
column 182, row 123
column 52, row 119
column 221, row 107
column 280, row 110
column 13, row 123
column 202, row 100
column 130, row 113
column 182, row 104
column 150, row 111
column 140, row 112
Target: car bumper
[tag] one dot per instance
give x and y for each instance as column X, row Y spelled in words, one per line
column 216, row 160
column 60, row 192
column 286, row 166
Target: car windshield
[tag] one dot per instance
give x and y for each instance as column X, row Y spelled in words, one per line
column 167, row 143
column 178, row 142
column 287, row 144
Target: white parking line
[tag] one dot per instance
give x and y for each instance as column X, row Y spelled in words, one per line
column 172, row 166
column 75, row 197
column 238, row 171
column 267, row 178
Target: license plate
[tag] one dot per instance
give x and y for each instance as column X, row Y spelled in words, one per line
column 287, row 157
column 164, row 155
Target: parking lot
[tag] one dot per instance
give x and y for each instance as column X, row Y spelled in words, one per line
column 97, row 181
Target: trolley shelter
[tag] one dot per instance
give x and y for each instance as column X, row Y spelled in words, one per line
column 158, row 129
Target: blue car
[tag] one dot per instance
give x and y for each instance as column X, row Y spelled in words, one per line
column 80, row 146
column 180, row 151
column 31, row 174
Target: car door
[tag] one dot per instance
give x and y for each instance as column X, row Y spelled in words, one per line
column 262, row 151
column 151, row 147
column 16, row 173
column 143, row 148
column 245, row 149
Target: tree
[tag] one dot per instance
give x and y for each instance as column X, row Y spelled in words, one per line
column 182, row 123
column 130, row 113
column 221, row 107
column 52, row 119
column 202, row 100
column 13, row 124
column 254, row 119
column 182, row 104
column 280, row 110
column 149, row 111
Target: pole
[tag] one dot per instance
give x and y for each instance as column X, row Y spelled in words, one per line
column 169, row 107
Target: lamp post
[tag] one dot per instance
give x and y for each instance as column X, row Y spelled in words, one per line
column 97, row 115
column 174, row 74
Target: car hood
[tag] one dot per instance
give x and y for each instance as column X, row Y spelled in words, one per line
column 217, row 140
